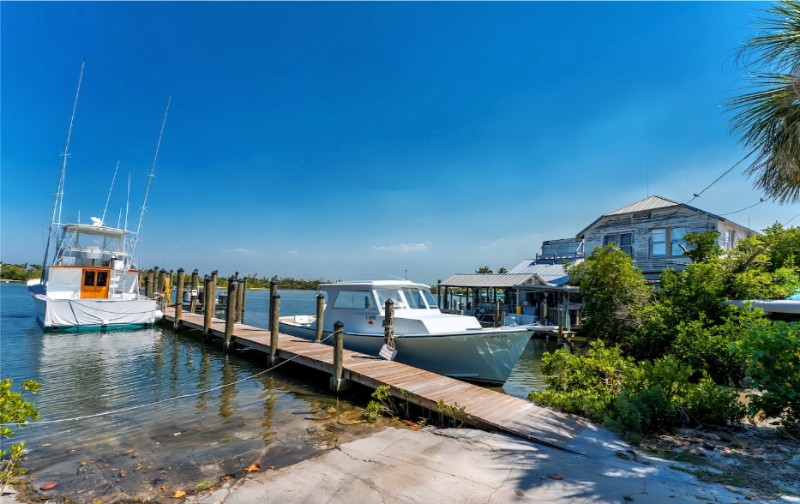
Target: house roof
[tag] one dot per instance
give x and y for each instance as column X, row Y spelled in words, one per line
column 649, row 203
column 653, row 203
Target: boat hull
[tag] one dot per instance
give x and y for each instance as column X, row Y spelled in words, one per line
column 86, row 315
column 481, row 355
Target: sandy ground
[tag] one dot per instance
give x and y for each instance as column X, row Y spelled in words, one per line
column 472, row 466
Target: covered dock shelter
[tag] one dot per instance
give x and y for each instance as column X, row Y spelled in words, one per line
column 538, row 291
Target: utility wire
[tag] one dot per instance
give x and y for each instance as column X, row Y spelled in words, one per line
column 745, row 208
column 140, row 406
column 698, row 194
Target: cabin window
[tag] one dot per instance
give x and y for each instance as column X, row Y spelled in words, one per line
column 393, row 294
column 414, row 299
column 623, row 240
column 663, row 236
column 88, row 279
column 430, row 300
column 353, row 300
column 102, row 278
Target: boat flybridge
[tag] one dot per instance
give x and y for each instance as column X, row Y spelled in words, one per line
column 424, row 337
column 92, row 283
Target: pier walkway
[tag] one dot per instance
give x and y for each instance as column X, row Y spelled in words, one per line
column 482, row 408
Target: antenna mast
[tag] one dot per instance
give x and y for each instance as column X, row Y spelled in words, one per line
column 57, row 204
column 108, row 198
column 152, row 174
column 127, row 202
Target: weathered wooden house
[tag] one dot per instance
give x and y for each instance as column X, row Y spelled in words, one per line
column 652, row 231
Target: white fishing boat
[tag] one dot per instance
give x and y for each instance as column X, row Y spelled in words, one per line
column 91, row 281
column 424, row 337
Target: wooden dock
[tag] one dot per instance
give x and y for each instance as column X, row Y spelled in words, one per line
column 482, row 408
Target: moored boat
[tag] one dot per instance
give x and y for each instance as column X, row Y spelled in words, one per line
column 424, row 337
column 91, row 282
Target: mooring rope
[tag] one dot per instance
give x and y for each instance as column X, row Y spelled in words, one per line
column 140, row 406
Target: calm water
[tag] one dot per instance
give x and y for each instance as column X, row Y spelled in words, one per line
column 184, row 413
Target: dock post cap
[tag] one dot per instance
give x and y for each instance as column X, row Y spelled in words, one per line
column 276, row 296
column 338, row 325
column 181, row 270
column 320, row 295
column 195, row 271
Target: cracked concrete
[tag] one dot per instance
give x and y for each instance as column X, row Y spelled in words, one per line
column 471, row 466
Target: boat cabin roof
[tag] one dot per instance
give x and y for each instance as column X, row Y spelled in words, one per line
column 373, row 284
column 94, row 230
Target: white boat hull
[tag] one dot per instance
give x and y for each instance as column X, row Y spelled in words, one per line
column 79, row 315
column 786, row 306
column 484, row 355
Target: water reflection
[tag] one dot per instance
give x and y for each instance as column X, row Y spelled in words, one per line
column 182, row 411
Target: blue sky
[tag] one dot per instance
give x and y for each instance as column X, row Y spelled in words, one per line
column 360, row 140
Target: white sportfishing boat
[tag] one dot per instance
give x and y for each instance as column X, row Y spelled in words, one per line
column 424, row 337
column 91, row 282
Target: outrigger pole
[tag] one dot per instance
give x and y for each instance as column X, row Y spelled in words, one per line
column 150, row 177
column 60, row 190
column 108, row 198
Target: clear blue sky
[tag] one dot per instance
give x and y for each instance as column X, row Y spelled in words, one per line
column 360, row 140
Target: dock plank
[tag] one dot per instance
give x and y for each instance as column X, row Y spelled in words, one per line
column 482, row 407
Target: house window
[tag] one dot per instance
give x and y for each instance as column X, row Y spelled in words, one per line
column 660, row 237
column 623, row 240
column 729, row 237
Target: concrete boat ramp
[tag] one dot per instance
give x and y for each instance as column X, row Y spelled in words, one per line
column 472, row 404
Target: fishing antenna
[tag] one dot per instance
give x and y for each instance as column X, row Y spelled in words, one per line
column 60, row 190
column 128, row 202
column 108, row 198
column 152, row 174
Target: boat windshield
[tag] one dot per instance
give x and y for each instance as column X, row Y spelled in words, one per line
column 412, row 298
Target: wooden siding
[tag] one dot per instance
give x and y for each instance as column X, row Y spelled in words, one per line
column 673, row 217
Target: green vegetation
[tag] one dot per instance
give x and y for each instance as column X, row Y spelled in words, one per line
column 14, row 409
column 20, row 272
column 677, row 355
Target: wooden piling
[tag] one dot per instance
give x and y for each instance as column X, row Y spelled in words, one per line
column 148, row 284
column 215, row 277
column 207, row 314
column 240, row 300
column 320, row 311
column 274, row 317
column 439, row 294
column 162, row 278
column 179, row 298
column 388, row 323
column 338, row 347
column 163, row 298
column 195, row 286
column 273, row 290
column 496, row 312
column 230, row 313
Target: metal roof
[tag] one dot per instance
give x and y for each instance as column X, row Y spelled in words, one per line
column 650, row 203
column 501, row 280
column 548, row 273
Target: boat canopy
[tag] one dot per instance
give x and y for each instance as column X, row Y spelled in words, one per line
column 94, row 230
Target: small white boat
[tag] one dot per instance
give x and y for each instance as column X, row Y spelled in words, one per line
column 424, row 337
column 91, row 282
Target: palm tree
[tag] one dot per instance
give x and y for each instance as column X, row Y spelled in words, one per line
column 502, row 269
column 767, row 119
column 483, row 270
